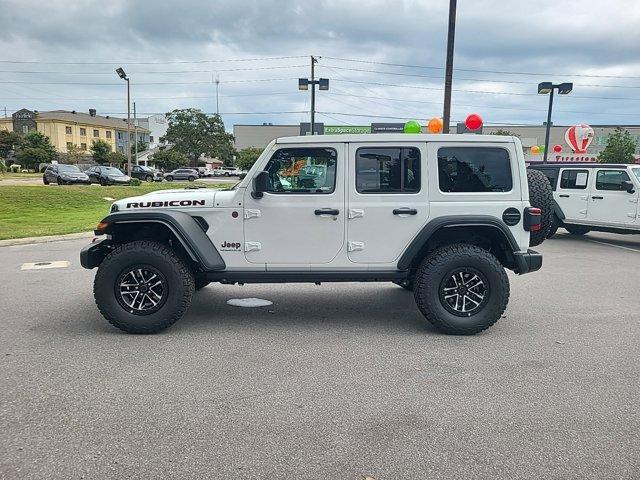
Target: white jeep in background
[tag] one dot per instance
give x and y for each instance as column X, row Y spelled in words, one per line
column 442, row 215
column 600, row 197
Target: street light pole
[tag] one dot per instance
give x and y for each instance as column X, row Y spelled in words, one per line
column 313, row 97
column 135, row 131
column 548, row 88
column 123, row 76
column 448, row 76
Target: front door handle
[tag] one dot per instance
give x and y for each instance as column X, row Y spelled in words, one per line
column 405, row 211
column 564, row 196
column 597, row 198
column 327, row 211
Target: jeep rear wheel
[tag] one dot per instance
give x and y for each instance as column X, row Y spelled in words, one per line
column 143, row 287
column 540, row 196
column 461, row 289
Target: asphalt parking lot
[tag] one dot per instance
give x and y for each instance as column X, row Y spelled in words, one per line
column 332, row 381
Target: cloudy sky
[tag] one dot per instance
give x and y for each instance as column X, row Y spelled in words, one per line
column 384, row 59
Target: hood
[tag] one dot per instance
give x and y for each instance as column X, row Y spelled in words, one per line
column 183, row 198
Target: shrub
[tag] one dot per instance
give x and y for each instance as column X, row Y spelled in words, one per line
column 135, row 182
column 3, row 167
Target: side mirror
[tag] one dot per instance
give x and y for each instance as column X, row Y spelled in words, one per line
column 628, row 186
column 260, row 184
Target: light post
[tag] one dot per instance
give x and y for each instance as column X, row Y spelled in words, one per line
column 448, row 75
column 545, row 88
column 303, row 84
column 123, row 76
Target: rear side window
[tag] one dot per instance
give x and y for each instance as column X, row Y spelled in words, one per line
column 611, row 180
column 574, row 179
column 388, row 170
column 474, row 169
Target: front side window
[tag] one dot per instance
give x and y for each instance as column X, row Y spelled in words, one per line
column 574, row 179
column 302, row 170
column 387, row 170
column 474, row 169
column 611, row 180
column 636, row 172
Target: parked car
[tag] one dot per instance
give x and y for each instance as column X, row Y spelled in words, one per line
column 182, row 174
column 205, row 172
column 227, row 172
column 64, row 174
column 148, row 174
column 107, row 176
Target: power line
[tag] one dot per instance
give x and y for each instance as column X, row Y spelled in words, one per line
column 501, row 72
column 412, row 118
column 165, row 62
column 111, row 84
column 174, row 97
column 51, row 72
column 440, row 77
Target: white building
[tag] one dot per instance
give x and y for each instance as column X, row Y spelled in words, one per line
column 157, row 125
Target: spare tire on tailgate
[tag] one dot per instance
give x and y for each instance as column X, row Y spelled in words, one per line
column 540, row 196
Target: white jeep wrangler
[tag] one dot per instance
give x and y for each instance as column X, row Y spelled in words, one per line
column 442, row 215
column 601, row 197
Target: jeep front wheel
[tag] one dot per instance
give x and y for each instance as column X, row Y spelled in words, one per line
column 143, row 287
column 461, row 289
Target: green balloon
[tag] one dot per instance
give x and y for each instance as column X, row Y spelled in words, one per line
column 412, row 126
column 542, row 149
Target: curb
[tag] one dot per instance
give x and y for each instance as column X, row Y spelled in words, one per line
column 51, row 238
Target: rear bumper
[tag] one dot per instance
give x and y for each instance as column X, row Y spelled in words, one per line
column 529, row 261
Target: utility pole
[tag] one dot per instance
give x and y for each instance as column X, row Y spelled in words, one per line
column 5, row 112
column 303, row 84
column 217, row 102
column 448, row 76
column 135, row 131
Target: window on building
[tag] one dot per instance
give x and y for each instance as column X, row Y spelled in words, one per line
column 611, row 180
column 83, row 146
column 67, row 130
column 151, row 138
column 96, row 133
column 83, row 132
column 119, row 135
column 302, row 170
column 574, row 179
column 69, row 145
column 474, row 169
column 25, row 129
column 387, row 170
column 109, row 134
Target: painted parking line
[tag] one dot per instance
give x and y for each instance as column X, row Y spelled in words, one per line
column 44, row 265
column 612, row 245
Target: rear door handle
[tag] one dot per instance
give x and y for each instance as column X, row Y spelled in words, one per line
column 405, row 211
column 564, row 196
column 597, row 198
column 327, row 211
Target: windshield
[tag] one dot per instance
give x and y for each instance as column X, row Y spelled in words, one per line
column 69, row 169
column 636, row 172
column 112, row 171
column 145, row 169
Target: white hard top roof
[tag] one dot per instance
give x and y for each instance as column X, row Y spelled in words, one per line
column 396, row 137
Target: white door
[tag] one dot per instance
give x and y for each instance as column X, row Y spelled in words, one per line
column 572, row 193
column 301, row 219
column 388, row 200
column 609, row 201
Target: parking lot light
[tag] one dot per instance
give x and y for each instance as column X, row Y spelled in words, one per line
column 121, row 73
column 547, row 88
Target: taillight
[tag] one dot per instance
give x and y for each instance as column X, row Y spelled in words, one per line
column 532, row 219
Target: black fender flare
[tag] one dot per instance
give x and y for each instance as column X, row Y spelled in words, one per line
column 449, row 221
column 558, row 211
column 185, row 228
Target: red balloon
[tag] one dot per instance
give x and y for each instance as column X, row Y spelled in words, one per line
column 473, row 121
column 557, row 148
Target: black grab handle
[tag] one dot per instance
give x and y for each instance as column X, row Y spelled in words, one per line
column 327, row 211
column 405, row 211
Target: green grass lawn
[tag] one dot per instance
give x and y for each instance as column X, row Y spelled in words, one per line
column 32, row 211
column 12, row 176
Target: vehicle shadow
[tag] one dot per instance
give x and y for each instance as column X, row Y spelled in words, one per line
column 629, row 241
column 385, row 307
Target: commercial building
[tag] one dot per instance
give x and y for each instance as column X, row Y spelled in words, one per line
column 157, row 127
column 66, row 128
column 530, row 135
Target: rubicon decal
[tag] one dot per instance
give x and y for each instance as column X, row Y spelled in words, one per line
column 229, row 246
column 168, row 203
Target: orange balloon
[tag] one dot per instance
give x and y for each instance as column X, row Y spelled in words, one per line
column 535, row 149
column 435, row 125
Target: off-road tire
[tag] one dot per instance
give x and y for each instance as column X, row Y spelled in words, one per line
column 540, row 196
column 577, row 229
column 178, row 276
column 406, row 284
column 555, row 224
column 200, row 283
column 438, row 267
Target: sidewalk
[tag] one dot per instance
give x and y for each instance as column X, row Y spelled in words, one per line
column 51, row 238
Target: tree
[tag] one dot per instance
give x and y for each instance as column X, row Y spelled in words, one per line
column 73, row 155
column 507, row 133
column 116, row 158
column 194, row 134
column 32, row 157
column 169, row 159
column 9, row 141
column 39, row 140
column 100, row 150
column 620, row 148
column 142, row 146
column 247, row 157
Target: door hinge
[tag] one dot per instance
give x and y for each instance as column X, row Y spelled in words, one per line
column 631, row 215
column 356, row 213
column 583, row 211
column 250, row 213
column 355, row 246
column 584, row 197
column 252, row 246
